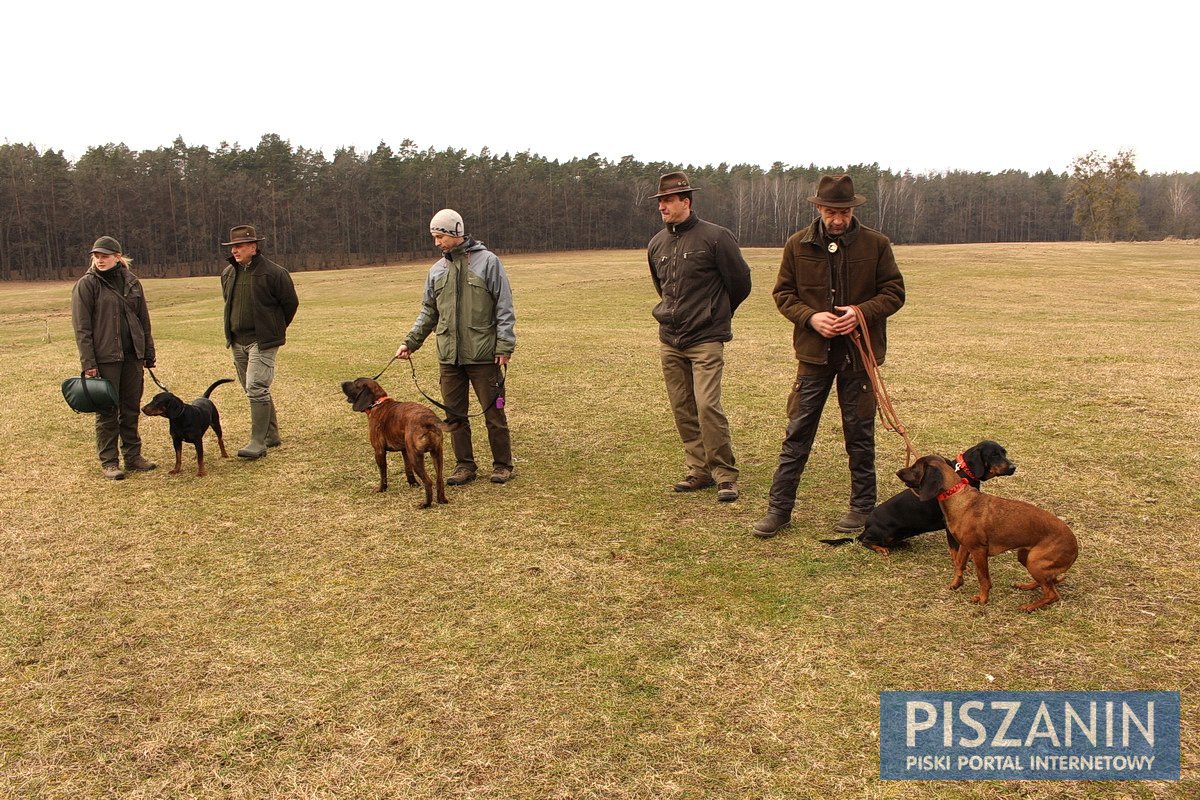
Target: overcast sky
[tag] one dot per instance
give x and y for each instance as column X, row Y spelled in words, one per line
column 924, row 86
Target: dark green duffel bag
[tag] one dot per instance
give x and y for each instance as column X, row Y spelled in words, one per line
column 89, row 395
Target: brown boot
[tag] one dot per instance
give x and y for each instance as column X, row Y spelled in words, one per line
column 694, row 483
column 113, row 472
column 771, row 524
column 727, row 491
column 502, row 475
column 139, row 464
column 852, row 522
column 461, row 476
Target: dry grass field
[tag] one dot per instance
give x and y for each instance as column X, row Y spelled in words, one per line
column 277, row 630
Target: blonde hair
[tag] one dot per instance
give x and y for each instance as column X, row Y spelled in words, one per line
column 124, row 259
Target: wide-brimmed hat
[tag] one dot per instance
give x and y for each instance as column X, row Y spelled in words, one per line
column 836, row 191
column 242, row 234
column 106, row 245
column 674, row 183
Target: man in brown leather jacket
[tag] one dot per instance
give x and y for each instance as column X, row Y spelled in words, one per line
column 701, row 278
column 830, row 267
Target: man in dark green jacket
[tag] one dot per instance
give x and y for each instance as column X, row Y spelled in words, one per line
column 828, row 269
column 468, row 302
column 701, row 279
column 260, row 303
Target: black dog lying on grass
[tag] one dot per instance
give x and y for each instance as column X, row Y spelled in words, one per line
column 189, row 423
column 905, row 515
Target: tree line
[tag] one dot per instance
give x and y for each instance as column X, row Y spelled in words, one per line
column 173, row 205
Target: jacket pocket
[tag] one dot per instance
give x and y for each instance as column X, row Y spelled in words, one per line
column 482, row 311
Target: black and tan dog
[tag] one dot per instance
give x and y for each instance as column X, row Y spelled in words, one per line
column 905, row 515
column 189, row 423
column 986, row 525
column 410, row 429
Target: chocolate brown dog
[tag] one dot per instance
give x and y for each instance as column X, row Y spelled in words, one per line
column 410, row 429
column 189, row 423
column 986, row 525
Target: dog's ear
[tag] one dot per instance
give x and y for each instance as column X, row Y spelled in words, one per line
column 981, row 457
column 363, row 399
column 931, row 483
column 173, row 407
column 911, row 476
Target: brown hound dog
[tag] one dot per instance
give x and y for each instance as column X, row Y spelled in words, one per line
column 408, row 428
column 986, row 525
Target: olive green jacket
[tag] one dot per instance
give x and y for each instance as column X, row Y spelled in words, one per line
column 96, row 311
column 468, row 302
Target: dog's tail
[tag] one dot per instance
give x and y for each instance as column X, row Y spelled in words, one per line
column 453, row 424
column 838, row 542
column 208, row 391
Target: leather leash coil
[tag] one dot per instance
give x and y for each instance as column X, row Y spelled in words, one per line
column 887, row 412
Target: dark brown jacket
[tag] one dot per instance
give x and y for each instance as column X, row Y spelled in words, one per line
column 861, row 273
column 96, row 310
column 700, row 274
column 274, row 300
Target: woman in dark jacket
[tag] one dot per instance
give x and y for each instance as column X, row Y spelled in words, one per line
column 112, row 329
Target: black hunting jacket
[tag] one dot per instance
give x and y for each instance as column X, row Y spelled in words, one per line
column 700, row 274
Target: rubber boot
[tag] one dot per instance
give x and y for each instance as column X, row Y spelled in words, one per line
column 260, row 419
column 273, row 439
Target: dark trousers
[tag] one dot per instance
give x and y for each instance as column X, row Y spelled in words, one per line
column 485, row 380
column 122, row 421
column 805, row 404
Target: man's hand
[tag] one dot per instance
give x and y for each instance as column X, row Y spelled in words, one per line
column 503, row 360
column 830, row 325
column 403, row 352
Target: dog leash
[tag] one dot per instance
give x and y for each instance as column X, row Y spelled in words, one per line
column 452, row 415
column 154, row 378
column 887, row 412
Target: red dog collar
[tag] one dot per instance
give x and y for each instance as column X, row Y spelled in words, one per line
column 368, row 409
column 962, row 466
column 953, row 490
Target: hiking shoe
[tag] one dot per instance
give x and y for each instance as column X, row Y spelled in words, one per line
column 852, row 522
column 771, row 524
column 139, row 464
column 112, row 472
column 694, row 483
column 502, row 475
column 727, row 491
column 461, row 476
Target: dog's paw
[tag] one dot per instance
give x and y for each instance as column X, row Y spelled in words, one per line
column 380, row 489
column 981, row 599
column 957, row 582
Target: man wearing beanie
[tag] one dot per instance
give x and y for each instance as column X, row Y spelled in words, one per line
column 469, row 302
column 701, row 278
column 260, row 303
column 831, row 271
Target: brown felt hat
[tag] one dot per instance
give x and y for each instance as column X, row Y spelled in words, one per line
column 674, row 183
column 241, row 234
column 837, row 191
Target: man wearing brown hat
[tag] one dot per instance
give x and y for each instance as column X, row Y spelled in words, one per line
column 701, row 278
column 828, row 269
column 260, row 303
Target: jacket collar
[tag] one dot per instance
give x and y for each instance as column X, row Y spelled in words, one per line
column 680, row 227
column 253, row 262
column 815, row 233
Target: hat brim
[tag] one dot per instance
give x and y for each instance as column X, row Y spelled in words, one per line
column 855, row 203
column 241, row 241
column 688, row 190
column 102, row 250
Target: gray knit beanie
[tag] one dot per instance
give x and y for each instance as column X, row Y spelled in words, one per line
column 447, row 221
